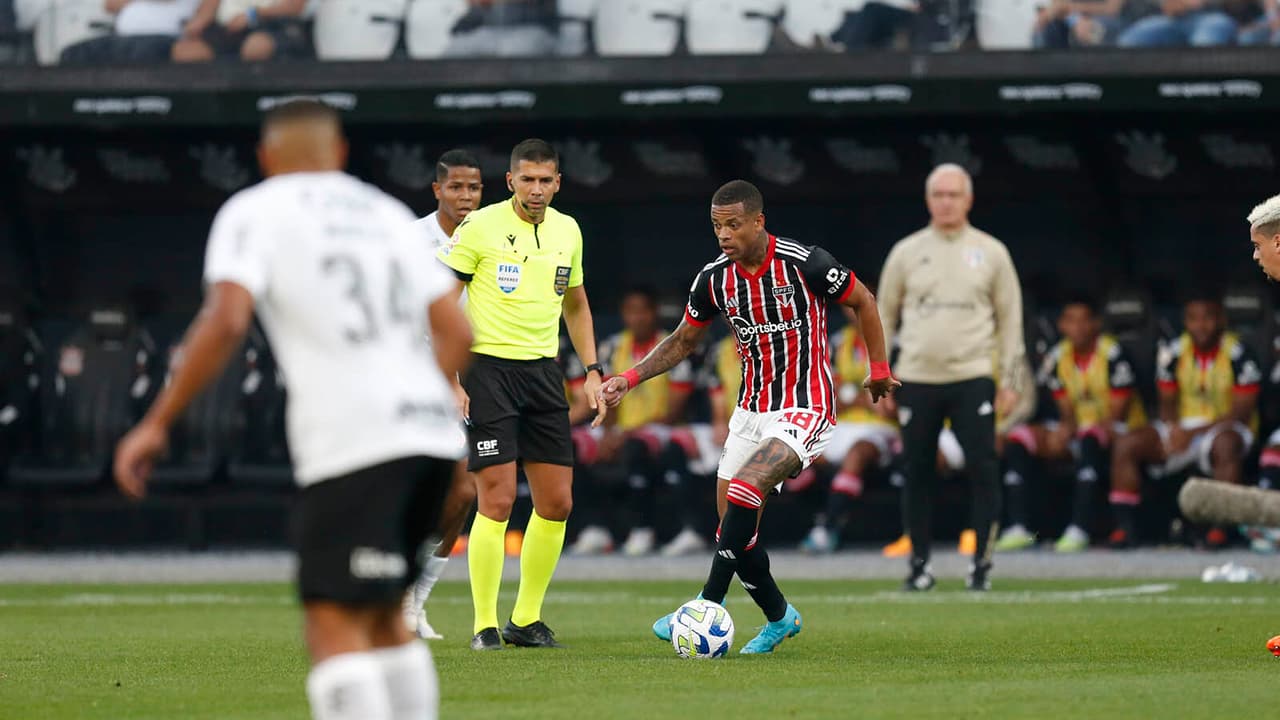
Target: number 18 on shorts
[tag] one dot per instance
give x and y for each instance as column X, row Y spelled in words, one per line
column 806, row 432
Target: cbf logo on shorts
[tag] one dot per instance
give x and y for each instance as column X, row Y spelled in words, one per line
column 508, row 277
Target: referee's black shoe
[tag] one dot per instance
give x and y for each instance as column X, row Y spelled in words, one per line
column 487, row 639
column 535, row 634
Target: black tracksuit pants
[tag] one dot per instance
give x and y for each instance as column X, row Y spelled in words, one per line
column 970, row 404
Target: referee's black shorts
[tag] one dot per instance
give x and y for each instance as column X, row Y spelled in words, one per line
column 360, row 537
column 518, row 412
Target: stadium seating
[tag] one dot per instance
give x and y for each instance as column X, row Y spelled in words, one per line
column 1251, row 315
column 429, row 24
column 1128, row 314
column 259, row 451
column 67, row 22
column 1006, row 24
column 639, row 27
column 810, row 22
column 731, row 27
column 20, row 354
column 577, row 20
column 93, row 386
column 358, row 29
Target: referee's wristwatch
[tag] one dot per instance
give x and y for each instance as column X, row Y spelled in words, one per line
column 596, row 367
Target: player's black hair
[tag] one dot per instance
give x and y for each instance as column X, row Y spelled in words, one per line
column 1204, row 292
column 535, row 151
column 740, row 191
column 308, row 109
column 648, row 292
column 1085, row 299
column 453, row 159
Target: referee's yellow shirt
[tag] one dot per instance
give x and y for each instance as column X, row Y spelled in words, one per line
column 516, row 274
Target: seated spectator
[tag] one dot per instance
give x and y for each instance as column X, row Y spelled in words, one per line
column 1092, row 381
column 1209, row 383
column 251, row 30
column 145, row 31
column 1086, row 23
column 880, row 24
column 644, row 435
column 506, row 28
column 1182, row 23
column 1264, row 29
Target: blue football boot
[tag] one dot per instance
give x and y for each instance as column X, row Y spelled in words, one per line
column 772, row 634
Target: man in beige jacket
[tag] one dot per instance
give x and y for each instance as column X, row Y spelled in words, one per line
column 951, row 295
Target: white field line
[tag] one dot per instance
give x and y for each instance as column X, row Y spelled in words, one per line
column 1149, row 594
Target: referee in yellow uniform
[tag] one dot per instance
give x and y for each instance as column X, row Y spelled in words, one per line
column 521, row 261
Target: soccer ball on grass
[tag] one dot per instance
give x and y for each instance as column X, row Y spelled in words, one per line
column 701, row 629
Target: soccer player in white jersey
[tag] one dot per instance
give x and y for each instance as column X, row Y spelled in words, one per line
column 343, row 286
column 457, row 188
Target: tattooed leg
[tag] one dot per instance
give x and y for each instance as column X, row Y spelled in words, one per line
column 736, row 549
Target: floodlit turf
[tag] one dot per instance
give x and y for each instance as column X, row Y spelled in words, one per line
column 1029, row 649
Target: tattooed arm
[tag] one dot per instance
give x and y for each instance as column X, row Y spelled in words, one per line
column 674, row 348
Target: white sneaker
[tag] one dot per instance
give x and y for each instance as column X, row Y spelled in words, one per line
column 687, row 542
column 1015, row 538
column 818, row 542
column 593, row 540
column 423, row 628
column 639, row 542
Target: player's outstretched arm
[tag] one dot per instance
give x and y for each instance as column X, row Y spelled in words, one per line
column 675, row 347
column 863, row 303
column 216, row 334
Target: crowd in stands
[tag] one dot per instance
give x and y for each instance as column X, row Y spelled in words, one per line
column 139, row 31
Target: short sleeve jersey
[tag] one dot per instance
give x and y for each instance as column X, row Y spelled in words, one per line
column 1088, row 382
column 779, row 320
column 342, row 281
column 1206, row 382
column 517, row 274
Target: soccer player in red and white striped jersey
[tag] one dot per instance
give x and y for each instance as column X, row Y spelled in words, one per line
column 773, row 292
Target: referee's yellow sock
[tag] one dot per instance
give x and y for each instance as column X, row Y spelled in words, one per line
column 485, row 554
column 543, row 541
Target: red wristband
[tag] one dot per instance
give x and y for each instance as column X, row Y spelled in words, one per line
column 632, row 377
column 880, row 371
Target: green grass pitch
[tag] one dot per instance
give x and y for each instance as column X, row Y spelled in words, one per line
column 1032, row 649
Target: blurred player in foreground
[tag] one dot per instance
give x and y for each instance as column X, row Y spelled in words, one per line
column 773, row 293
column 344, row 287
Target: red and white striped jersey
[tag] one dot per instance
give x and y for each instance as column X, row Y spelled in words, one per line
column 779, row 317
